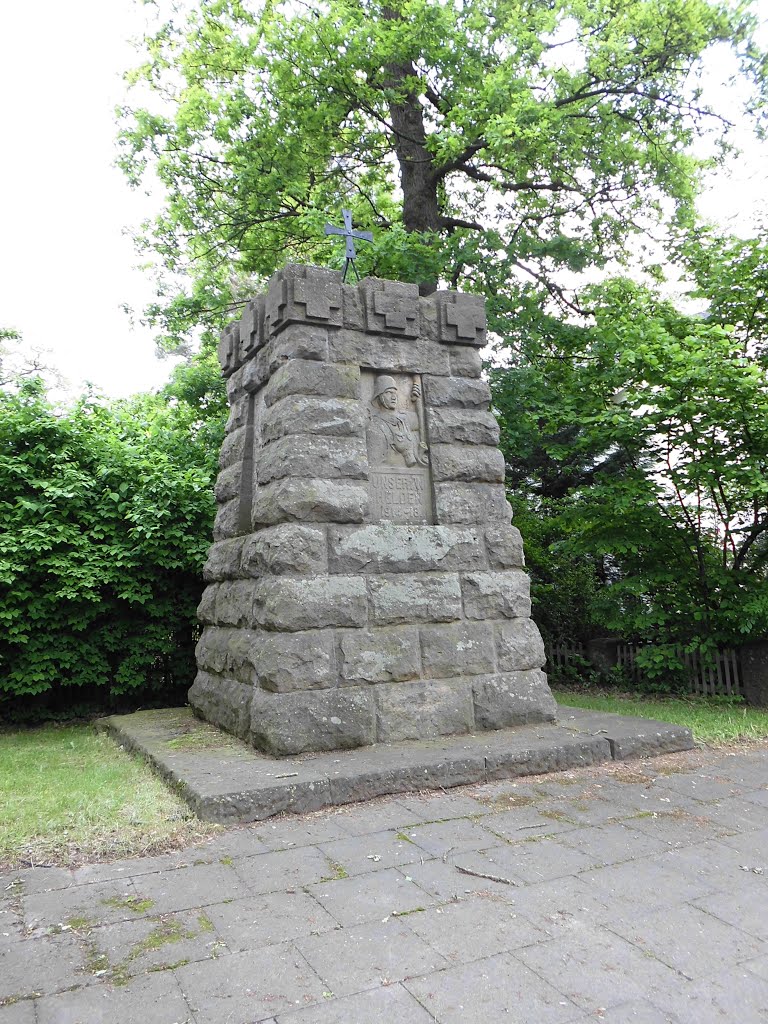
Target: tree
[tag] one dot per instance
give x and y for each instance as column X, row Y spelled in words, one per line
column 490, row 146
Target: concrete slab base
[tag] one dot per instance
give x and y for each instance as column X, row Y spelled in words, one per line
column 224, row 780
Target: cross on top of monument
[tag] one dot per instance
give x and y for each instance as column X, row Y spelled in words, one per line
column 349, row 234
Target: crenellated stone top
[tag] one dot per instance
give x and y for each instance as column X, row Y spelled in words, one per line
column 313, row 295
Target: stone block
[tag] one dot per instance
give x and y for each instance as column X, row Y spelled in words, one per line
column 419, row 597
column 314, row 501
column 457, row 392
column 383, row 353
column 285, row 549
column 379, row 655
column 463, row 426
column 291, row 723
column 235, row 387
column 519, row 646
column 255, row 373
column 302, row 294
column 237, row 603
column 420, row 710
column 309, row 377
column 223, row 562
column 300, row 414
column 286, row 603
column 251, row 328
column 512, row 698
column 296, row 341
column 228, row 482
column 229, row 349
column 391, row 307
column 285, row 662
column 233, row 448
column 471, row 463
column 460, row 318
column 496, row 595
column 465, row 361
column 303, row 455
column 504, row 546
column 457, row 650
column 238, row 413
column 206, row 609
column 227, row 523
column 211, row 649
column 224, row 702
column 389, row 547
column 472, row 504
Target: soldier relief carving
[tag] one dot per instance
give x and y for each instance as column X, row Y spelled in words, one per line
column 398, row 455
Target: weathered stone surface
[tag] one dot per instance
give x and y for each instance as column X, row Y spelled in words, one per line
column 238, row 413
column 287, row 548
column 233, row 448
column 225, row 702
column 301, row 414
column 308, row 377
column 457, row 650
column 463, row 426
column 206, row 610
column 394, row 548
column 291, row 723
column 226, row 523
column 467, row 462
column 505, row 547
column 418, row 597
column 251, row 328
column 236, row 603
column 380, row 655
column 302, row 455
column 211, row 649
column 229, row 349
column 255, row 373
column 285, row 662
column 471, row 504
column 315, row 501
column 465, row 361
column 390, row 307
column 458, row 392
column 460, row 318
column 304, row 294
column 496, row 595
column 228, row 482
column 286, row 603
column 419, row 710
column 296, row 341
column 513, row 698
column 223, row 562
column 383, row 353
column 519, row 646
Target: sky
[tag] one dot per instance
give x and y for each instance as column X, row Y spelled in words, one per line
column 67, row 265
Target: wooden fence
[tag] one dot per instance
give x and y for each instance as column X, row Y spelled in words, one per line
column 719, row 676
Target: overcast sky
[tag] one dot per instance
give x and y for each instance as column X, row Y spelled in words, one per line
column 66, row 266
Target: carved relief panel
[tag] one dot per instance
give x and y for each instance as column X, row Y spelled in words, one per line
column 398, row 453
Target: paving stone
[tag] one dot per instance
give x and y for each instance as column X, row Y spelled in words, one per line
column 737, row 815
column 526, row 823
column 497, row 988
column 153, row 997
column 361, row 819
column 712, row 863
column 753, row 846
column 287, row 833
column 758, row 966
column 100, row 903
column 595, row 968
column 39, row 880
column 136, row 866
column 699, row 787
column 741, row 905
column 638, row 1011
column 529, row 862
column 373, row 852
column 240, row 989
column 757, row 796
column 562, row 905
column 226, row 846
column 390, row 1005
column 448, row 837
column 443, row 806
column 41, row 966
column 678, row 828
column 612, row 844
column 21, row 1013
column 370, row 897
column 474, row 928
column 442, row 880
column 196, row 886
column 285, row 869
column 369, row 955
column 268, row 919
column 645, row 885
column 734, row 994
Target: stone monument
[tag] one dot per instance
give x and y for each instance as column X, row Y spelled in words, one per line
column 365, row 584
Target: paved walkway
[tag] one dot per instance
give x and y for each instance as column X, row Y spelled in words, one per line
column 634, row 892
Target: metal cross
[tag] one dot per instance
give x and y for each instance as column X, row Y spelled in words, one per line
column 349, row 234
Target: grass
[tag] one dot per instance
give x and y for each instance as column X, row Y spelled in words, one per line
column 69, row 794
column 713, row 720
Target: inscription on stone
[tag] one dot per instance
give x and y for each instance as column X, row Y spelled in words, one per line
column 398, row 455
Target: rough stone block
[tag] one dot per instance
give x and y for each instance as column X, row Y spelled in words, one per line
column 513, row 698
column 460, row 318
column 457, row 392
column 206, row 610
column 463, row 426
column 286, row 603
column 302, row 455
column 228, row 482
column 389, row 547
column 211, row 649
column 255, row 373
column 308, row 377
column 465, row 361
column 496, row 595
column 251, row 328
column 505, row 547
column 237, row 602
column 300, row 414
column 314, row 501
column 233, row 448
column 296, row 341
column 292, row 723
column 287, row 548
column 238, row 413
column 421, row 597
column 298, row 293
column 223, row 562
column 419, row 710
column 457, row 650
column 382, row 353
column 391, row 307
column 471, row 463
column 224, row 702
column 226, row 523
column 380, row 655
column 229, row 349
column 519, row 646
column 457, row 502
column 285, row 662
